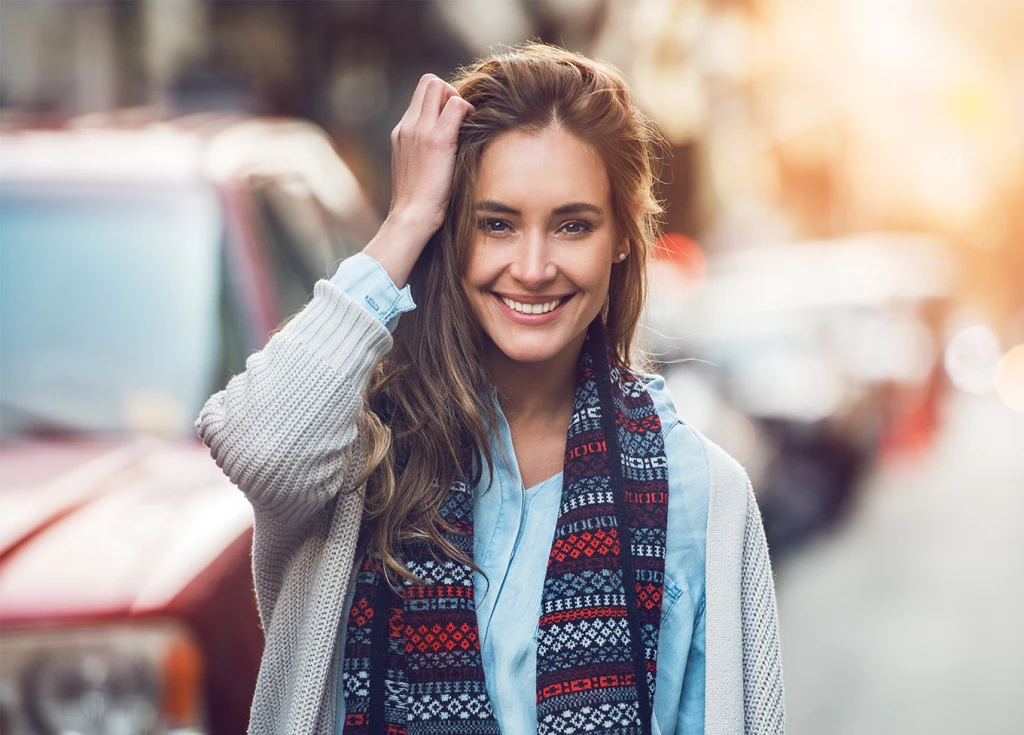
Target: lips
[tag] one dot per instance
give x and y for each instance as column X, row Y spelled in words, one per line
column 535, row 311
column 526, row 307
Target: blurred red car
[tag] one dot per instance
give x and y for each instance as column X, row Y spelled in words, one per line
column 141, row 264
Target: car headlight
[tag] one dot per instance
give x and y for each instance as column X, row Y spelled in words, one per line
column 140, row 678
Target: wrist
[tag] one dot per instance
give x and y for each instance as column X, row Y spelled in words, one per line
column 412, row 224
column 396, row 247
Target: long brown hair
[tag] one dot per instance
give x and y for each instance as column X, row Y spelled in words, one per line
column 430, row 395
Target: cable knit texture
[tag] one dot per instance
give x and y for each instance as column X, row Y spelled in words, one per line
column 284, row 432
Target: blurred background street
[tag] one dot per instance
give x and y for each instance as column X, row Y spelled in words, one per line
column 838, row 300
column 906, row 619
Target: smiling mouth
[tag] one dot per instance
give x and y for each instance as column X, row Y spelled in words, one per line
column 529, row 309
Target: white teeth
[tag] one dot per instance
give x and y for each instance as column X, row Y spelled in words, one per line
column 530, row 308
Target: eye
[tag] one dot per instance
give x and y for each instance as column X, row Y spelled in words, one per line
column 584, row 227
column 485, row 224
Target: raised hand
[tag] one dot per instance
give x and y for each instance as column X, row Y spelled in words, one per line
column 423, row 146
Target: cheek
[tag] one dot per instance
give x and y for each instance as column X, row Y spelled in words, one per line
column 595, row 277
column 482, row 268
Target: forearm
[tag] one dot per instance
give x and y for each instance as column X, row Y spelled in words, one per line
column 284, row 430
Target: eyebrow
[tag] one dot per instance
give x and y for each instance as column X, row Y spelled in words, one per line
column 571, row 208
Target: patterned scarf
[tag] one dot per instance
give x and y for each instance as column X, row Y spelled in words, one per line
column 412, row 660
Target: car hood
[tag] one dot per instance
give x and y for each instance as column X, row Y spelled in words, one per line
column 105, row 528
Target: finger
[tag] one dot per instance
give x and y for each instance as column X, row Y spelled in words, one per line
column 455, row 110
column 455, row 92
column 432, row 102
column 408, row 120
column 452, row 91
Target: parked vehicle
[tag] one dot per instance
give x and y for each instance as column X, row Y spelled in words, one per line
column 141, row 264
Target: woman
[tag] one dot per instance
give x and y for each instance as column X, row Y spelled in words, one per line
column 477, row 518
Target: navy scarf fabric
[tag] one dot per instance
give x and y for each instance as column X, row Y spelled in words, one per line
column 412, row 659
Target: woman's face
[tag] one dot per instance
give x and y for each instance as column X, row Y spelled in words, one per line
column 544, row 243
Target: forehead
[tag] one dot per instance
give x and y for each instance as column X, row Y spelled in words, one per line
column 542, row 169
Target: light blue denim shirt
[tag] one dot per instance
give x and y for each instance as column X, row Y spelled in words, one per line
column 364, row 279
column 513, row 528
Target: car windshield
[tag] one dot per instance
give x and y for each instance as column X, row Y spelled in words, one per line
column 108, row 307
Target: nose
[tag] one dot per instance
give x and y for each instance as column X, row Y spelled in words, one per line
column 532, row 263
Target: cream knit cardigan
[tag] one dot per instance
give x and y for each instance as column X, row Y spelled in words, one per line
column 284, row 432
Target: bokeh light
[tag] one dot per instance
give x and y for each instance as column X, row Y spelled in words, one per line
column 971, row 359
column 1010, row 378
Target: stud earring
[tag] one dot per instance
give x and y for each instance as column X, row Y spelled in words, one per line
column 622, row 256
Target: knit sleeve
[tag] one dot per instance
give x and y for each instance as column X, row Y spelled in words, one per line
column 285, row 430
column 762, row 662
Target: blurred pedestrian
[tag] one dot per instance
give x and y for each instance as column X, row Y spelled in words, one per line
column 475, row 512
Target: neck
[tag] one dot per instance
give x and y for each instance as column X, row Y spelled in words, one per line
column 535, row 391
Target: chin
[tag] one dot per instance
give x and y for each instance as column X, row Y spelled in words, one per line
column 522, row 346
column 528, row 353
